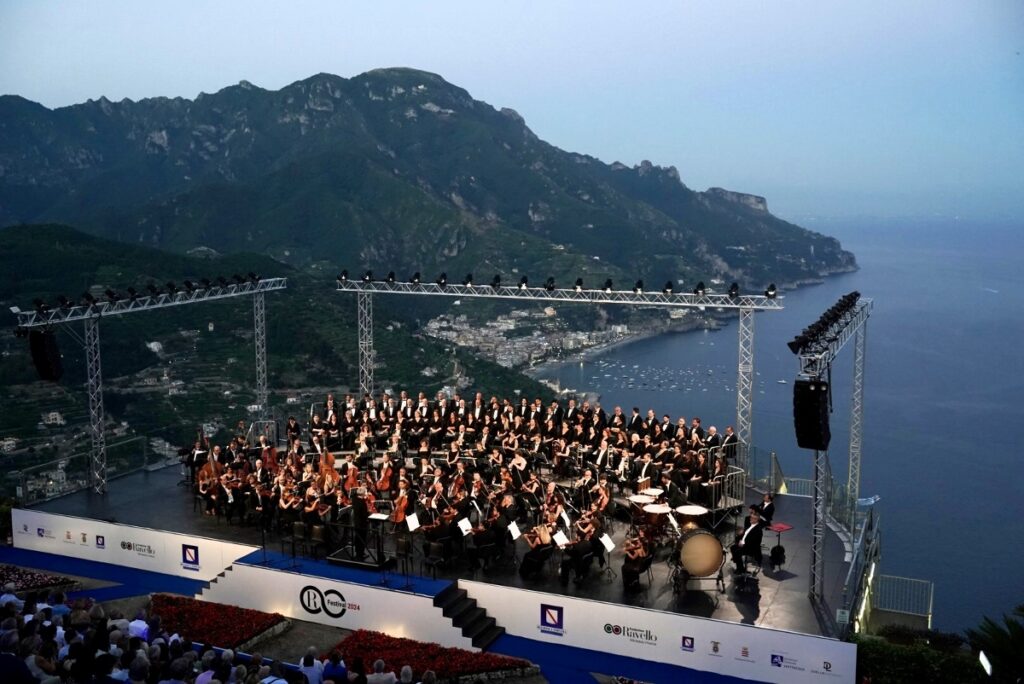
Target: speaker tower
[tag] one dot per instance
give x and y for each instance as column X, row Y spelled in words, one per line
column 810, row 414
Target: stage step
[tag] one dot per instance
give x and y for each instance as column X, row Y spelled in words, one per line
column 209, row 585
column 466, row 615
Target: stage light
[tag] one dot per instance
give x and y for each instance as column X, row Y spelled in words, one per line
column 391, row 277
column 238, row 279
column 88, row 299
column 343, row 276
column 223, row 281
column 523, row 283
column 415, row 280
column 171, row 287
column 496, row 283
column 442, row 279
column 189, row 286
column 638, row 288
column 608, row 286
column 253, row 277
column 468, row 280
column 368, row 277
column 549, row 285
column 112, row 296
column 132, row 294
column 206, row 283
column 699, row 289
column 579, row 285
column 65, row 303
column 668, row 288
column 41, row 306
column 734, row 290
column 771, row 292
column 153, row 290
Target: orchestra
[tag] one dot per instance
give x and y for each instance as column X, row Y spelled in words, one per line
column 469, row 470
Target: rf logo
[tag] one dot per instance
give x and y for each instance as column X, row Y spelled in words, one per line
column 331, row 603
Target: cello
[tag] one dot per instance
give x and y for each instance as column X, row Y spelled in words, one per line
column 384, row 483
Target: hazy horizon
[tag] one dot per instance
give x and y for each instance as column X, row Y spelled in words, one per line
column 828, row 111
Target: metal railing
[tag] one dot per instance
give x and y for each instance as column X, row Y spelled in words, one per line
column 866, row 551
column 903, row 595
column 72, row 473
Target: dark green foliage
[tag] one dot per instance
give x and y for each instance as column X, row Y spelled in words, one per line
column 1003, row 643
column 311, row 337
column 884, row 662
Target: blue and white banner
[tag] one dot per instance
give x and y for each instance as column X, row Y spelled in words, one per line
column 134, row 547
column 746, row 651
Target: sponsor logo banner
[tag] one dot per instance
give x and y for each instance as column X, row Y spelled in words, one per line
column 638, row 635
column 190, row 557
column 552, row 619
column 330, row 602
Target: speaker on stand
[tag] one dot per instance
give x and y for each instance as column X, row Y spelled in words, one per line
column 811, row 414
column 45, row 354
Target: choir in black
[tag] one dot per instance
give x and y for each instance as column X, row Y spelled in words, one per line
column 456, row 464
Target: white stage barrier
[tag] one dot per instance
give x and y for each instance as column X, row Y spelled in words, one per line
column 739, row 650
column 141, row 548
column 335, row 603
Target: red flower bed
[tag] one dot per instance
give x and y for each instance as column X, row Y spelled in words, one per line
column 28, row 580
column 211, row 623
column 445, row 662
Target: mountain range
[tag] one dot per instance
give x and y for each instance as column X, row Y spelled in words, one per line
column 394, row 169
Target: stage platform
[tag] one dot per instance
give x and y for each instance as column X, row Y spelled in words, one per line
column 779, row 599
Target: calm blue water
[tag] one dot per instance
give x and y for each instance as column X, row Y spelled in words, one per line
column 944, row 422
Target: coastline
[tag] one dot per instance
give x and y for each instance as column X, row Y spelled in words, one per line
column 713, row 322
column 590, row 353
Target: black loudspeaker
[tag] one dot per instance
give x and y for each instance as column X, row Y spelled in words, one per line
column 810, row 414
column 45, row 354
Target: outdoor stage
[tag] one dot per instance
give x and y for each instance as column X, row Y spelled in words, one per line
column 778, row 600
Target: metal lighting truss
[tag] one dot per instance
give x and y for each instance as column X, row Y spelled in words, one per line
column 746, row 304
column 815, row 364
column 90, row 315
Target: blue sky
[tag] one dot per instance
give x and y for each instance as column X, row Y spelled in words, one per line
column 864, row 108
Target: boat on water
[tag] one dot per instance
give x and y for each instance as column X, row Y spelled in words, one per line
column 781, row 382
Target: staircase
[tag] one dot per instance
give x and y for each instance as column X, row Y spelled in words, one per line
column 209, row 585
column 466, row 615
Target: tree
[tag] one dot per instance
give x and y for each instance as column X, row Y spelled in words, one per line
column 1003, row 644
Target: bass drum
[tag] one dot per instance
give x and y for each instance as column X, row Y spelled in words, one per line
column 700, row 553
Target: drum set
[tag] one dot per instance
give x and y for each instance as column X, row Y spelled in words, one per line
column 697, row 553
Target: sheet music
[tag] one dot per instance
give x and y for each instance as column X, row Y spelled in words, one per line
column 465, row 526
column 378, row 516
column 513, row 529
column 607, row 542
column 413, row 521
column 560, row 539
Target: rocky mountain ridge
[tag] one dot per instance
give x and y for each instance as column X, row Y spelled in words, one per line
column 394, row 168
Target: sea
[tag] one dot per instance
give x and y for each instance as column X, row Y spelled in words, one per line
column 943, row 444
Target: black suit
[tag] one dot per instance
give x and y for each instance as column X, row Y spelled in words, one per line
column 360, row 523
column 729, row 446
column 636, row 424
column 751, row 545
column 767, row 511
